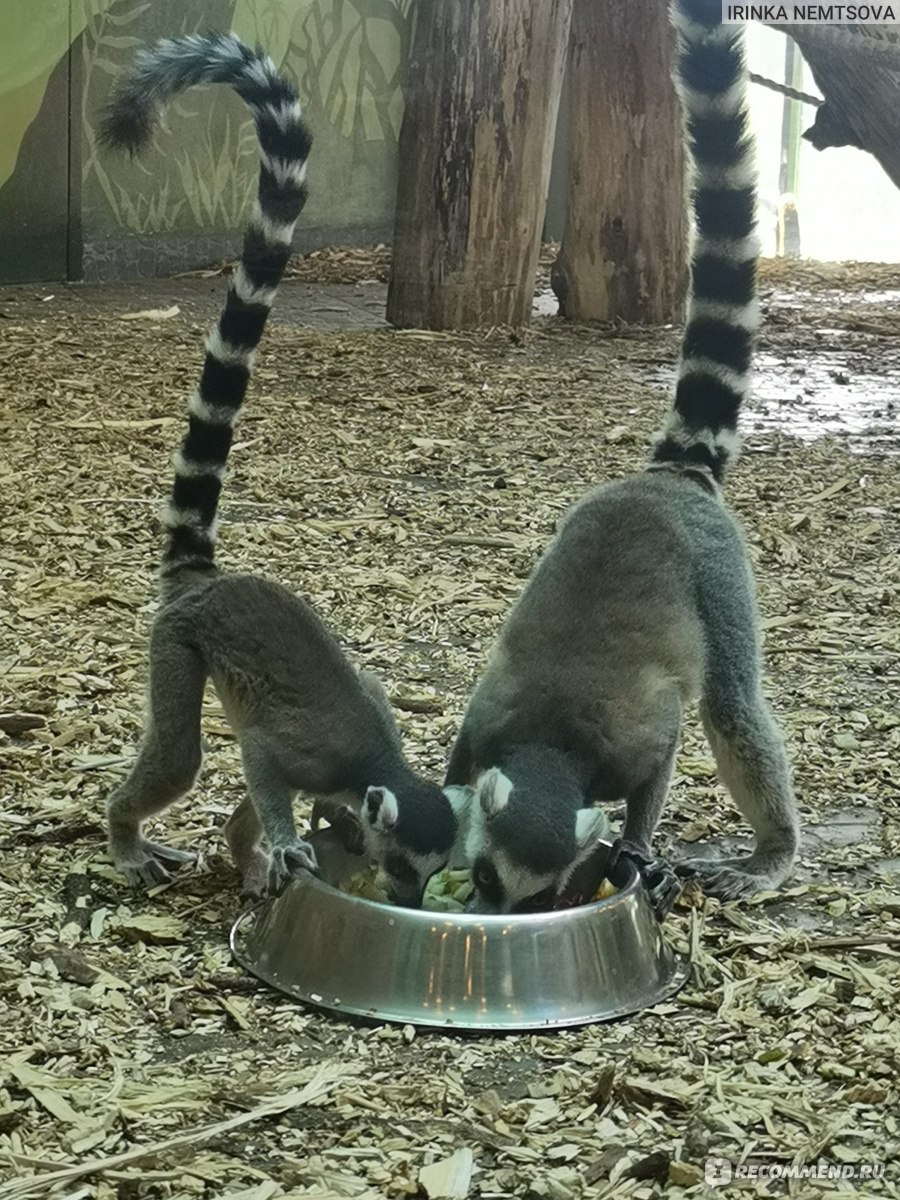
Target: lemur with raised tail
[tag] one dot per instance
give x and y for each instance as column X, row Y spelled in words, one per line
column 645, row 601
column 305, row 719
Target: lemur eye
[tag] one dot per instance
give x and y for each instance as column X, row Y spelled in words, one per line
column 484, row 876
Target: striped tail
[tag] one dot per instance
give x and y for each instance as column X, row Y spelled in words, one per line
column 128, row 123
column 723, row 315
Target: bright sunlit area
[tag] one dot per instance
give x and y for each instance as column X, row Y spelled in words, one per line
column 848, row 207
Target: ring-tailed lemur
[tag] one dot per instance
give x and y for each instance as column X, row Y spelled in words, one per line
column 304, row 717
column 645, row 600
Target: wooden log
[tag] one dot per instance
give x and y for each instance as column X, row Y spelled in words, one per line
column 857, row 70
column 623, row 251
column 475, row 150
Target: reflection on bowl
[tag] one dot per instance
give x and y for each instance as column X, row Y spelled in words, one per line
column 461, row 970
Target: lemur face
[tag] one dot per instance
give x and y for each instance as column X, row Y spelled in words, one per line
column 522, row 856
column 411, row 836
column 505, row 886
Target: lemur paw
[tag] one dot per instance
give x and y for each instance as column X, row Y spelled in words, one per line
column 349, row 829
column 659, row 877
column 169, row 854
column 148, row 874
column 343, row 819
column 287, row 861
column 663, row 886
column 144, row 866
column 726, row 878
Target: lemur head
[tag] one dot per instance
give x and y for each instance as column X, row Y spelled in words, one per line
column 411, row 833
column 525, row 838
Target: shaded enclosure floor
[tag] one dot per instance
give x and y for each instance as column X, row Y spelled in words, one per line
column 405, row 483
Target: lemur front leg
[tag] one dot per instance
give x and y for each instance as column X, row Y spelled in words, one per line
column 167, row 765
column 341, row 810
column 243, row 831
column 642, row 814
column 272, row 793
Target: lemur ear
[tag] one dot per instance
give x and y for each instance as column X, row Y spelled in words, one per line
column 494, row 790
column 590, row 825
column 460, row 797
column 380, row 808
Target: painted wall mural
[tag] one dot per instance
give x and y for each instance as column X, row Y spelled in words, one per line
column 181, row 204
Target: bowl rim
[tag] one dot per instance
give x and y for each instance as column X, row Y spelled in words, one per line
column 466, row 919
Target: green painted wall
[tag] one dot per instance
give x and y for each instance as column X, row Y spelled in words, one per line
column 185, row 201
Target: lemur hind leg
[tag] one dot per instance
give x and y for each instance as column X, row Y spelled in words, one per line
column 243, row 831
column 745, row 741
column 167, row 765
column 642, row 814
column 272, row 793
column 752, row 763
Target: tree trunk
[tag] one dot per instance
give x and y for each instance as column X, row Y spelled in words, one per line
column 623, row 250
column 475, row 150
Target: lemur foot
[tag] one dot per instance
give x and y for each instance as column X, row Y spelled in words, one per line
column 732, row 878
column 287, row 861
column 169, row 854
column 659, row 877
column 144, row 866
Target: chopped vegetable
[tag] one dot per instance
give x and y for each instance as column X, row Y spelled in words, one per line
column 604, row 891
column 447, row 891
column 367, row 885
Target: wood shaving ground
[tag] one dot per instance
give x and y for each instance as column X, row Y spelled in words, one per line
column 405, row 482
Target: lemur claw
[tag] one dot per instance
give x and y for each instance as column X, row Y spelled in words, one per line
column 169, row 854
column 145, row 868
column 725, row 878
column 287, row 861
column 658, row 876
column 148, row 874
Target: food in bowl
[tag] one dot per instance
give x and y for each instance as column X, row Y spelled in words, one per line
column 449, row 891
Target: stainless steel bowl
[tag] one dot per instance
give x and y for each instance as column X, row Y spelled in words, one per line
column 463, row 971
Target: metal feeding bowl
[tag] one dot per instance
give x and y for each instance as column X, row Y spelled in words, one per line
column 465, row 971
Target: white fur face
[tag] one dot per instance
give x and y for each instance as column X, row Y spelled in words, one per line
column 503, row 884
column 407, row 870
